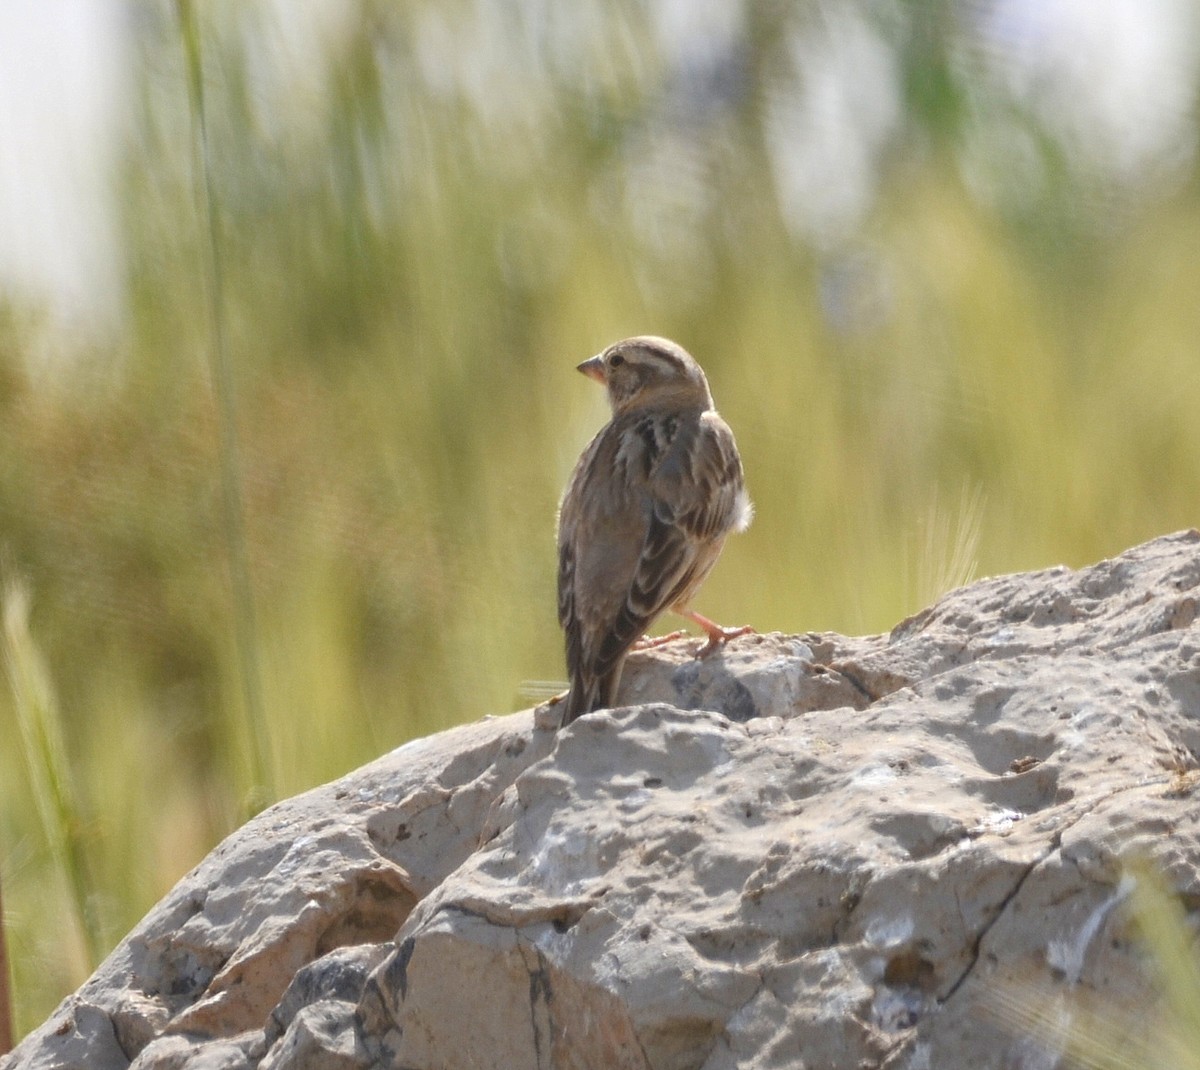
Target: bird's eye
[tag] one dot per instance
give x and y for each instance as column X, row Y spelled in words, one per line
column 616, row 360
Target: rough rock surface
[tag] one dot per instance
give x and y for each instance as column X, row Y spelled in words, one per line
column 808, row 851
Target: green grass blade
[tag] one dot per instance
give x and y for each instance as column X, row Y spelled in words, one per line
column 44, row 750
column 263, row 789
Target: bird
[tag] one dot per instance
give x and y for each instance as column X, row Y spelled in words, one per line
column 645, row 514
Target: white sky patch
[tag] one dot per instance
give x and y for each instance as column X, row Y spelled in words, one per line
column 1114, row 79
column 696, row 32
column 826, row 129
column 61, row 91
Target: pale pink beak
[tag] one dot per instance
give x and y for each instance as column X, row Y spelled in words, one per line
column 593, row 368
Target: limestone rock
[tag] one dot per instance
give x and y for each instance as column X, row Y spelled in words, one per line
column 806, row 851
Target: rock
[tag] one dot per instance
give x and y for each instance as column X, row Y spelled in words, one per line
column 806, row 851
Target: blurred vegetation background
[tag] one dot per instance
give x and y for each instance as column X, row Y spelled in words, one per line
column 938, row 259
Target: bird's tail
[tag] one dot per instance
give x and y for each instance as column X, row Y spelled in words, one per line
column 589, row 692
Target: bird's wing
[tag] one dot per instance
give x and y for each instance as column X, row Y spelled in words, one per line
column 620, row 553
column 696, row 496
column 602, row 527
column 699, row 498
column 700, row 480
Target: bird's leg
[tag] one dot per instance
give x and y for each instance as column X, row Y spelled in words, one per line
column 649, row 642
column 717, row 636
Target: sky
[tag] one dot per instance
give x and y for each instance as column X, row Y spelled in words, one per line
column 61, row 99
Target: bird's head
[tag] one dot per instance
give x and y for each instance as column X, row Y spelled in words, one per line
column 646, row 372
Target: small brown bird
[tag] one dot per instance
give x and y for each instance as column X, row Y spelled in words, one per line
column 645, row 514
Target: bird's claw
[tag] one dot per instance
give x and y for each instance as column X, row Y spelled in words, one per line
column 718, row 637
column 650, row 642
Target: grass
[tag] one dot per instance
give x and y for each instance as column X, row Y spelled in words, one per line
column 410, row 271
column 229, row 450
column 47, row 766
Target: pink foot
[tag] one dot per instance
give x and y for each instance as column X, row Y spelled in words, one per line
column 717, row 636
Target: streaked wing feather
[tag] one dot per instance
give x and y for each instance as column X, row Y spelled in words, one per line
column 665, row 567
column 706, row 504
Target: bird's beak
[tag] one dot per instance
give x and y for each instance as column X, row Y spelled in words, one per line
column 593, row 368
